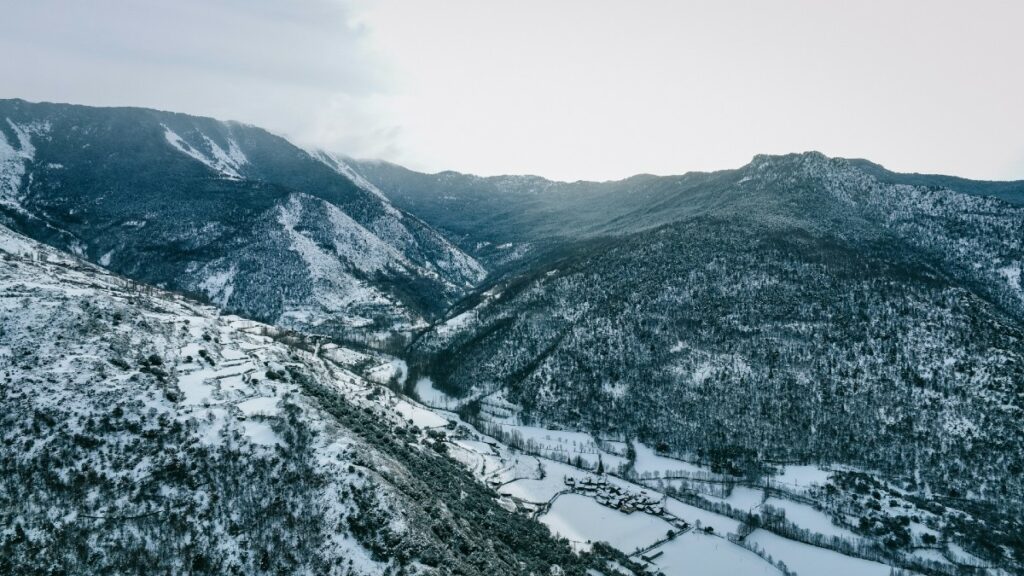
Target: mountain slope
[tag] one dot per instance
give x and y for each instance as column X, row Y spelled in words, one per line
column 1012, row 192
column 500, row 218
column 227, row 211
column 802, row 312
column 145, row 433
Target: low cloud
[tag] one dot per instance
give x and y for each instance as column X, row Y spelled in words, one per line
column 304, row 69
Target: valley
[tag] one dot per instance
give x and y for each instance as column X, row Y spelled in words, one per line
column 228, row 382
column 587, row 490
column 294, row 361
column 144, row 431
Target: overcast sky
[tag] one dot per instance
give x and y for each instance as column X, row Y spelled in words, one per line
column 565, row 89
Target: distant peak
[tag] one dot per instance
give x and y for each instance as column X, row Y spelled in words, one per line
column 812, row 155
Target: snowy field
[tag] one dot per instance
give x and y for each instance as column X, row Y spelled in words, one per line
column 433, row 397
column 807, row 517
column 564, row 445
column 722, row 525
column 742, row 498
column 582, row 520
column 800, row 478
column 418, row 415
column 805, row 559
column 651, row 464
column 539, row 490
column 699, row 554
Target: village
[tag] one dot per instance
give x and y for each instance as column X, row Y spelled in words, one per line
column 613, row 496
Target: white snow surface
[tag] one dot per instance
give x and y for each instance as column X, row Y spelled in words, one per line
column 261, row 433
column 391, row 368
column 582, row 520
column 227, row 163
column 432, row 396
column 807, row 517
column 722, row 525
column 12, row 163
column 261, row 405
column 1012, row 275
column 803, row 477
column 805, row 559
column 16, row 244
column 657, row 466
column 695, row 553
column 221, row 396
column 337, row 163
column 564, row 445
column 744, row 498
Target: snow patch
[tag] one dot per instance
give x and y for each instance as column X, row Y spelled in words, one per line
column 654, row 465
column 807, row 517
column 455, row 324
column 220, row 285
column 583, row 521
column 383, row 373
column 431, row 396
column 802, row 477
column 260, row 406
column 807, row 559
column 12, row 164
column 419, row 416
column 225, row 162
column 336, row 163
column 15, row 244
column 1012, row 275
column 695, row 553
column 261, row 433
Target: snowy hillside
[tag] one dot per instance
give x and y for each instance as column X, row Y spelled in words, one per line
column 796, row 310
column 802, row 362
column 143, row 432
column 135, row 420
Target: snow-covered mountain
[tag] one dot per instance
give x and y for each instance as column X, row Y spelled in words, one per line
column 501, row 219
column 226, row 211
column 704, row 335
column 143, row 432
column 798, row 309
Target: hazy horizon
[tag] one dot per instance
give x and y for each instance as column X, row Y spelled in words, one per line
column 571, row 91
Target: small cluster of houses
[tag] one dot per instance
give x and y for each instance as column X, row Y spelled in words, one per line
column 614, row 496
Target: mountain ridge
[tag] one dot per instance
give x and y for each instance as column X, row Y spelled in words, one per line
column 121, row 185
column 795, row 310
column 800, row 309
column 500, row 219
